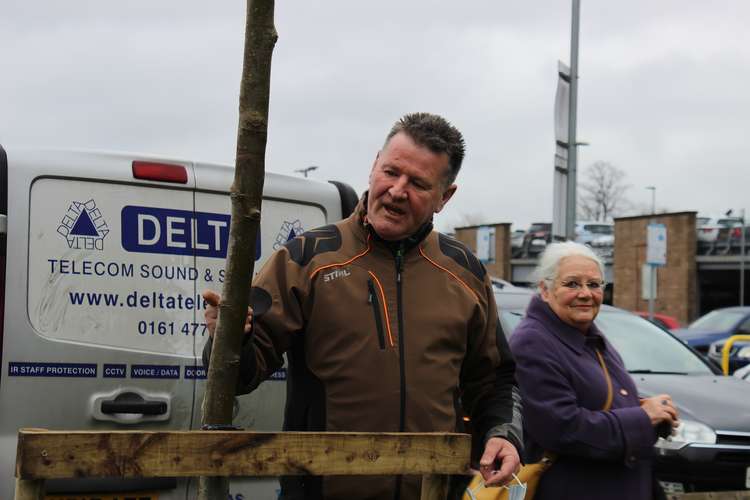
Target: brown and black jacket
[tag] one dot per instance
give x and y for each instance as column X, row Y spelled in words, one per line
column 380, row 337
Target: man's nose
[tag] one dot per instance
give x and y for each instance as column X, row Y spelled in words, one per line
column 398, row 189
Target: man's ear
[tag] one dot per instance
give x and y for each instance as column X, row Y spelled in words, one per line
column 447, row 195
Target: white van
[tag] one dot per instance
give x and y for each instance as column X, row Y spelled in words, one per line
column 104, row 257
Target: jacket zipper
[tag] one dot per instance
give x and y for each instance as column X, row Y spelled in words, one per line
column 402, row 362
column 373, row 300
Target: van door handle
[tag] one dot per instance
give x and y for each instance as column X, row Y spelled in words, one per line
column 131, row 405
column 140, row 407
column 132, row 402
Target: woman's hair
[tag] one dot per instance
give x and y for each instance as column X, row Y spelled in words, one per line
column 549, row 261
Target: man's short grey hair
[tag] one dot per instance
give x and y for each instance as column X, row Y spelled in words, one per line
column 436, row 134
column 549, row 262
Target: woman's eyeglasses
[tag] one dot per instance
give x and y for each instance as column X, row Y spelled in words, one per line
column 574, row 285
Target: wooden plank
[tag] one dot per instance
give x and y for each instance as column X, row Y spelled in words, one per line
column 60, row 454
column 434, row 487
column 29, row 490
column 711, row 495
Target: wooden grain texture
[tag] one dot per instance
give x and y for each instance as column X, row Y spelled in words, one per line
column 434, row 487
column 711, row 495
column 59, row 454
column 29, row 490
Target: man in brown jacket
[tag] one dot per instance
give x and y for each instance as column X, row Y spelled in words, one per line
column 388, row 326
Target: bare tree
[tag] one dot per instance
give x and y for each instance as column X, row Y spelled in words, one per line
column 470, row 219
column 602, row 196
column 246, row 195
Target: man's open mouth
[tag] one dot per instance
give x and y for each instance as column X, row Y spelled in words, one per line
column 393, row 210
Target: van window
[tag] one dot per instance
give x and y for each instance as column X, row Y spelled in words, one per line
column 599, row 228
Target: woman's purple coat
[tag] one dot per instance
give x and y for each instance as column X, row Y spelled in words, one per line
column 601, row 454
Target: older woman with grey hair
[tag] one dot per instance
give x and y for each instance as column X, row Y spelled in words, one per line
column 581, row 408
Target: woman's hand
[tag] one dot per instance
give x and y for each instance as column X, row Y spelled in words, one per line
column 660, row 409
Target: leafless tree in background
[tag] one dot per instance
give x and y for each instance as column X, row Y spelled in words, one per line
column 602, row 194
column 470, row 219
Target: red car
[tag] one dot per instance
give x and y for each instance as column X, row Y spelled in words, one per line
column 663, row 320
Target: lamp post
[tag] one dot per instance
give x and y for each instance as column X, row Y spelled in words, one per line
column 570, row 209
column 742, row 259
column 652, row 268
column 305, row 170
column 653, row 198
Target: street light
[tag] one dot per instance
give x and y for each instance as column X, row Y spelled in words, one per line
column 653, row 198
column 742, row 259
column 305, row 170
column 570, row 209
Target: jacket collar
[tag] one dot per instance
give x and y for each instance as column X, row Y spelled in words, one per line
column 360, row 214
column 572, row 337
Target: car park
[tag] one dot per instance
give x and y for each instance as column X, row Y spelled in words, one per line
column 716, row 325
column 103, row 259
column 710, row 451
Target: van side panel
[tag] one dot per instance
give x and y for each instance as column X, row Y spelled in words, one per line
column 3, row 239
column 102, row 300
column 74, row 355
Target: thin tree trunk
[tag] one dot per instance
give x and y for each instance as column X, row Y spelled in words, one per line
column 246, row 194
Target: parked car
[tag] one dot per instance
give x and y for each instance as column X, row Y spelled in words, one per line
column 516, row 242
column 514, row 297
column 710, row 450
column 536, row 238
column 743, row 373
column 663, row 320
column 600, row 236
column 739, row 355
column 716, row 325
column 729, row 240
column 714, row 234
column 588, row 232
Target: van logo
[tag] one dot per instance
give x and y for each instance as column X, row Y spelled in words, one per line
column 176, row 232
column 83, row 226
column 288, row 231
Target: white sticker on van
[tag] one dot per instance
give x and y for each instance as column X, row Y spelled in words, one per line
column 140, row 289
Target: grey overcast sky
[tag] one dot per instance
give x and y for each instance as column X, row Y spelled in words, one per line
column 663, row 89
